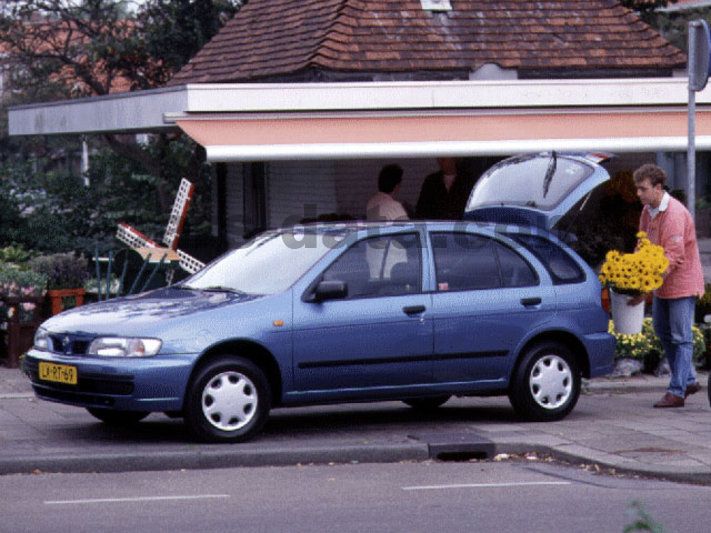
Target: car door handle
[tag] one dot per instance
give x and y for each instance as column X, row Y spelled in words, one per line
column 414, row 310
column 528, row 302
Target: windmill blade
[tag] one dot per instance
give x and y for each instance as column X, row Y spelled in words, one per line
column 133, row 238
column 189, row 263
column 178, row 214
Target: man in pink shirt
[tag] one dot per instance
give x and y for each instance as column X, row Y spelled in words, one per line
column 669, row 224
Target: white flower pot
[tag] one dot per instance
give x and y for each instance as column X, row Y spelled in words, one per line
column 627, row 319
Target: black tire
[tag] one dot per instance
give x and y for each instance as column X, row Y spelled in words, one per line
column 117, row 418
column 552, row 398
column 427, row 404
column 228, row 400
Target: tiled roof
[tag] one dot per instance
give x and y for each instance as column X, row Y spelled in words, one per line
column 270, row 39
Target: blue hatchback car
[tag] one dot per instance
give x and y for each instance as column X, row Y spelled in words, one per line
column 411, row 311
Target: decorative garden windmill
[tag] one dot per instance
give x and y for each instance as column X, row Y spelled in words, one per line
column 154, row 252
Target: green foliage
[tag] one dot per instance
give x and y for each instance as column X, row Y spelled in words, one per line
column 17, row 283
column 645, row 6
column 14, row 254
column 62, row 49
column 673, row 25
column 642, row 520
column 63, row 271
column 703, row 305
column 175, row 30
column 57, row 212
column 647, row 347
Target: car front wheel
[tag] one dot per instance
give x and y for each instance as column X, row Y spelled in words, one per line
column 546, row 385
column 228, row 401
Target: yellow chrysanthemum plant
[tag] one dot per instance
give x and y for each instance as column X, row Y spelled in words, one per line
column 635, row 273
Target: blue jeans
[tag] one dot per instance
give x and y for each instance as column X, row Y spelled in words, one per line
column 673, row 319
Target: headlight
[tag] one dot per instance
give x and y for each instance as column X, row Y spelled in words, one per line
column 123, row 347
column 42, row 340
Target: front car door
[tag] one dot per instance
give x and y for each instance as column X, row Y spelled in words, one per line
column 380, row 335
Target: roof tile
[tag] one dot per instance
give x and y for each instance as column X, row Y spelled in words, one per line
column 269, row 38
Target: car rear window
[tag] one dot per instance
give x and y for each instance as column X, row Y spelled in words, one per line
column 562, row 268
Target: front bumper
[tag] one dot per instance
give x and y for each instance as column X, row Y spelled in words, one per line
column 129, row 384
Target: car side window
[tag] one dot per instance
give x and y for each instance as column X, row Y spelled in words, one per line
column 515, row 270
column 464, row 262
column 562, row 268
column 380, row 266
column 474, row 262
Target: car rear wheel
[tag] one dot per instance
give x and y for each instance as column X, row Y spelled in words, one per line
column 546, row 385
column 117, row 418
column 228, row 401
column 427, row 404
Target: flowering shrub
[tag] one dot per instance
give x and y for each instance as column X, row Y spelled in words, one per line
column 647, row 346
column 635, row 273
column 19, row 284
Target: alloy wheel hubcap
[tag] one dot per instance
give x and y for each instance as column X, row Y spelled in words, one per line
column 229, row 401
column 551, row 382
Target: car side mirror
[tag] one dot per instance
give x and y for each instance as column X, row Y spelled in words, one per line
column 330, row 290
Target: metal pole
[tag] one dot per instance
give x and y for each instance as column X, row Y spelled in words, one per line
column 691, row 147
column 691, row 155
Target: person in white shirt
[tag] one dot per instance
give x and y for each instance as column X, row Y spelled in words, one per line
column 382, row 206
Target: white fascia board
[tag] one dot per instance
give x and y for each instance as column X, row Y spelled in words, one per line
column 293, row 152
column 126, row 112
column 289, row 97
column 156, row 109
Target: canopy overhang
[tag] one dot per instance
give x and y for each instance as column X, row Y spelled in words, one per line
column 250, row 122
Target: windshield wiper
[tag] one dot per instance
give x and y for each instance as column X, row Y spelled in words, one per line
column 219, row 288
column 550, row 172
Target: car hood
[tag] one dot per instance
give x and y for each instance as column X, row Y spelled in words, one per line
column 535, row 189
column 133, row 315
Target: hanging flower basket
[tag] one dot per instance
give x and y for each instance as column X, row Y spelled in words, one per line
column 626, row 318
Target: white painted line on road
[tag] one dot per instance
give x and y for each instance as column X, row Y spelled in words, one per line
column 487, row 485
column 137, row 499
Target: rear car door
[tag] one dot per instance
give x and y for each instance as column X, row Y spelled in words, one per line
column 487, row 298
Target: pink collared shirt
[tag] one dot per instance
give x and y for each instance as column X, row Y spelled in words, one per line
column 672, row 227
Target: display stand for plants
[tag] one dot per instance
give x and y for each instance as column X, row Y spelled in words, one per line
column 20, row 333
column 57, row 298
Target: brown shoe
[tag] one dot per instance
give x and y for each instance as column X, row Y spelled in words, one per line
column 692, row 389
column 669, row 400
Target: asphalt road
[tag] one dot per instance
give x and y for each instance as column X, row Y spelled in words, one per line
column 429, row 496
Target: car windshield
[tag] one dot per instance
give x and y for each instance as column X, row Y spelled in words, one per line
column 269, row 264
column 529, row 181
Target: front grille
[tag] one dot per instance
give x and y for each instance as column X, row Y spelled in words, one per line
column 115, row 385
column 68, row 344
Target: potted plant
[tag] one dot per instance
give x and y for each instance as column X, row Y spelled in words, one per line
column 66, row 274
column 21, row 293
column 631, row 275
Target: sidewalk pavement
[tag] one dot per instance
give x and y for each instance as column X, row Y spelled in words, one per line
column 613, row 426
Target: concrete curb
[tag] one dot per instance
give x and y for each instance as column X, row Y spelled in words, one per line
column 441, row 449
column 207, row 459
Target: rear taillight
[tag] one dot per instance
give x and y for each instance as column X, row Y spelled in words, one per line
column 605, row 299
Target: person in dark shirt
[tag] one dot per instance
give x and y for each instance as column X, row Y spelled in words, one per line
column 444, row 194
